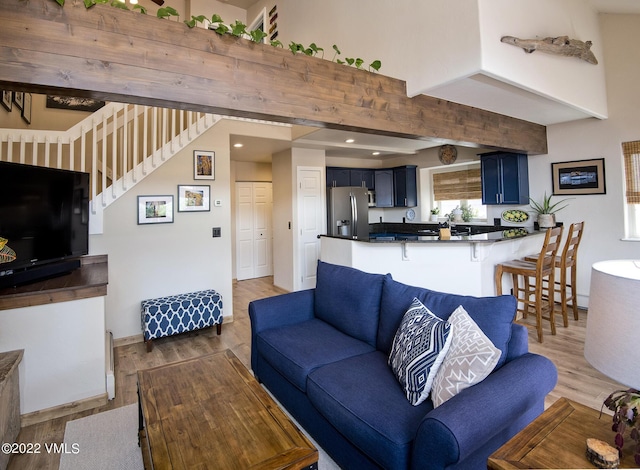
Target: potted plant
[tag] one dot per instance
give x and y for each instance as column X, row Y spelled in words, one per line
column 468, row 213
column 547, row 211
column 625, row 405
column 434, row 214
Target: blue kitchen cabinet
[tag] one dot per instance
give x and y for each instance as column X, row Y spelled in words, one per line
column 505, row 178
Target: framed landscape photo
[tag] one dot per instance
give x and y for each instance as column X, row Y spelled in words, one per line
column 194, row 198
column 74, row 103
column 204, row 165
column 155, row 210
column 579, row 177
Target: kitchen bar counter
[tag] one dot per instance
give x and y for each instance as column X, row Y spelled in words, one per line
column 465, row 264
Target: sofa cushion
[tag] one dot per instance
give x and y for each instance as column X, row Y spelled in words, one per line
column 381, row 421
column 419, row 347
column 349, row 299
column 470, row 359
column 298, row 349
column 494, row 315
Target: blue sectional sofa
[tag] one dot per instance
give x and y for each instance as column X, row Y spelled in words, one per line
column 323, row 353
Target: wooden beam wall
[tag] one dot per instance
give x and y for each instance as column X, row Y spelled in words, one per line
column 117, row 55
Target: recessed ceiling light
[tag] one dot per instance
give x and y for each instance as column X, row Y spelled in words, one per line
column 350, row 141
column 375, row 153
column 238, row 145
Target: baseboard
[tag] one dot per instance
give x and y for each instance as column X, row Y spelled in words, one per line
column 127, row 340
column 47, row 414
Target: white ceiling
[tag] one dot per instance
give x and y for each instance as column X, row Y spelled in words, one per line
column 478, row 91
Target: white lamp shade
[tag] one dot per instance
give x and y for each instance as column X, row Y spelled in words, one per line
column 612, row 343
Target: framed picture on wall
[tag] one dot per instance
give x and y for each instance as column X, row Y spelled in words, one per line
column 579, row 177
column 6, row 100
column 26, row 108
column 155, row 210
column 204, row 165
column 194, row 198
column 18, row 99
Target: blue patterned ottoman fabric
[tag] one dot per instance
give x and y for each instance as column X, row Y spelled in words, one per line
column 175, row 314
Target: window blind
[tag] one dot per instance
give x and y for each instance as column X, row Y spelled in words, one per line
column 455, row 185
column 631, row 151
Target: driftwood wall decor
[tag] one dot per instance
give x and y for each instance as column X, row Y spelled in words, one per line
column 561, row 45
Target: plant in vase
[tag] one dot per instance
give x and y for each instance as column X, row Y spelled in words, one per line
column 625, row 405
column 434, row 214
column 547, row 211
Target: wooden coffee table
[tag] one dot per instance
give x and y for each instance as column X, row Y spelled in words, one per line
column 209, row 412
column 558, row 439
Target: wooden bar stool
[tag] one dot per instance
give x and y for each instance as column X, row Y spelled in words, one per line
column 534, row 274
column 567, row 260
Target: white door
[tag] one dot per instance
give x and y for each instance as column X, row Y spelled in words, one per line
column 253, row 230
column 311, row 201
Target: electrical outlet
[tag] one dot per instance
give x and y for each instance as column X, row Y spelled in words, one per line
column 217, row 232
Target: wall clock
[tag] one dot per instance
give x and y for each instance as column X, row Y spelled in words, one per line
column 448, row 154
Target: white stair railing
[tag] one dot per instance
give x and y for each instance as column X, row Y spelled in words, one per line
column 119, row 145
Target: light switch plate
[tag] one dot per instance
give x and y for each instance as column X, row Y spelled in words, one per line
column 217, row 203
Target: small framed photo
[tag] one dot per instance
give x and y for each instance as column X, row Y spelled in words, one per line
column 26, row 108
column 579, row 177
column 155, row 210
column 194, row 198
column 6, row 99
column 204, row 165
column 18, row 99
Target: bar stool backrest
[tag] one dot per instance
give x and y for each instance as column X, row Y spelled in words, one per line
column 547, row 258
column 570, row 250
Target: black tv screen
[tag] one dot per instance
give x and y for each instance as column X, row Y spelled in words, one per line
column 44, row 215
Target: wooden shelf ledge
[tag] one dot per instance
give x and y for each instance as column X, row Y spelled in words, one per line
column 89, row 280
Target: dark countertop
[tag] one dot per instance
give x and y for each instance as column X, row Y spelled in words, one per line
column 429, row 233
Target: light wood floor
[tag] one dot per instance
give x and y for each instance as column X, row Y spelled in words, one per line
column 577, row 379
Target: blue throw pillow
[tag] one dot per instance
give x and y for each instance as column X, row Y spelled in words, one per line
column 349, row 300
column 419, row 347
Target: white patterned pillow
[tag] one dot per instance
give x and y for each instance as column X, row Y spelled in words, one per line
column 471, row 358
column 419, row 347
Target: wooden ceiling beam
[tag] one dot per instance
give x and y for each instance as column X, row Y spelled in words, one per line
column 115, row 55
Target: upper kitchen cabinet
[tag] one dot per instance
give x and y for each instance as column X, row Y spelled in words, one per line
column 384, row 188
column 505, row 178
column 404, row 186
column 337, row 177
column 396, row 187
column 363, row 177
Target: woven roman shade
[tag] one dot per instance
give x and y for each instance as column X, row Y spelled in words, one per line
column 456, row 185
column 631, row 151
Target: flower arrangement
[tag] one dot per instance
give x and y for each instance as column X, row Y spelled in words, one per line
column 625, row 405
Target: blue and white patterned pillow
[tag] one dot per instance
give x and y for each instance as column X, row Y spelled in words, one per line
column 419, row 347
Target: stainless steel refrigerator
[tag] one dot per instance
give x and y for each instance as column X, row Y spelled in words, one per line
column 348, row 212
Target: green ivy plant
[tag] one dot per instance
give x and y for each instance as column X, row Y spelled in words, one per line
column 238, row 29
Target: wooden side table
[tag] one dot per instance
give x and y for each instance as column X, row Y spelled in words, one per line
column 558, row 439
column 9, row 400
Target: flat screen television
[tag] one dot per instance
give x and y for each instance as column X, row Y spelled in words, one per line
column 44, row 215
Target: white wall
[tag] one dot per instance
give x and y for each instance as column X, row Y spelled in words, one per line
column 148, row 261
column 573, row 81
column 64, row 351
column 592, row 138
column 283, row 213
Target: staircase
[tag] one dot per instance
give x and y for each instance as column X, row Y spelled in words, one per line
column 118, row 145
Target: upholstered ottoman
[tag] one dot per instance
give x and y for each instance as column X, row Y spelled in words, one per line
column 174, row 314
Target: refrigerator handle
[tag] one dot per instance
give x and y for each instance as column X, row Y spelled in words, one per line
column 354, row 216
